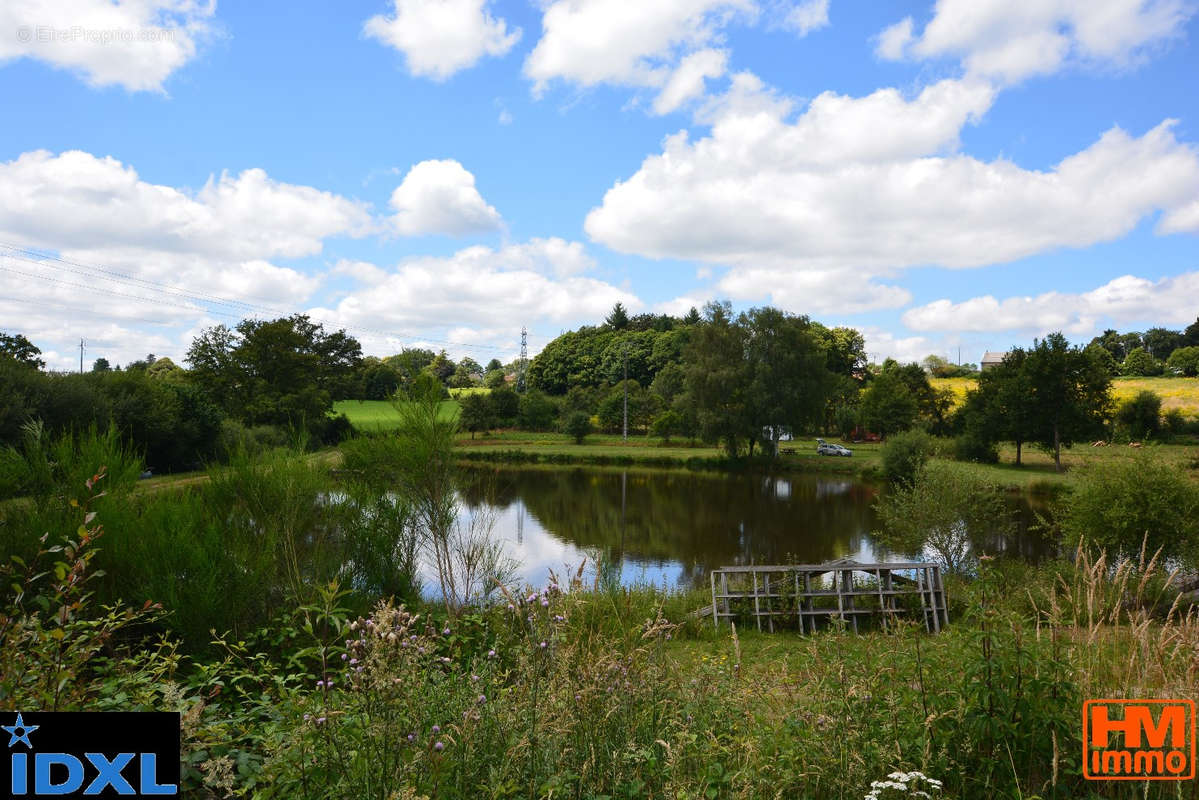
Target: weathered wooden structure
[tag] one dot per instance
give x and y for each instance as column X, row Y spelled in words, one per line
column 843, row 589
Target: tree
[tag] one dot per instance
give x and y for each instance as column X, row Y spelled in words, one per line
column 887, row 404
column 1190, row 337
column 493, row 365
column 101, row 365
column 441, row 367
column 1141, row 415
column 1140, row 362
column 692, row 317
column 1104, row 356
column 1006, row 405
column 506, row 403
column 477, row 414
column 667, row 424
column 717, row 378
column 462, row 378
column 789, row 379
column 577, row 426
column 281, row 371
column 618, row 319
column 495, row 379
column 537, row 411
column 1161, row 342
column 1185, row 360
column 20, row 349
column 1069, row 393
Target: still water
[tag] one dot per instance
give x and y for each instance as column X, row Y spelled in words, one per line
column 670, row 528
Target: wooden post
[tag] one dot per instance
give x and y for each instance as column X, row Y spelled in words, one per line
column 715, row 615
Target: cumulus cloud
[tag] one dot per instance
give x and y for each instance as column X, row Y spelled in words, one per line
column 78, row 201
column 1011, row 41
column 882, row 344
column 807, row 16
column 687, row 80
column 441, row 37
column 440, row 197
column 863, row 186
column 483, row 288
column 135, row 44
column 592, row 42
column 131, row 252
column 1122, row 300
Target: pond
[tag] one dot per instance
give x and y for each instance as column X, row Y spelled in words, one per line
column 670, row 528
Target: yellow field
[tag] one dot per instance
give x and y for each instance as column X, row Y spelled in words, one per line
column 1180, row 393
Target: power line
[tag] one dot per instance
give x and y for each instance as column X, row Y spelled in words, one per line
column 198, row 300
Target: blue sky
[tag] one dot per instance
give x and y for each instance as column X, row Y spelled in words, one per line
column 967, row 173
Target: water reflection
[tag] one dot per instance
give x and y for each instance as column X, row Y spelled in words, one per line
column 669, row 529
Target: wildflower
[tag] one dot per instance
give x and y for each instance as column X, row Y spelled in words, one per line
column 559, row 618
column 344, row 656
column 412, row 737
column 482, row 698
column 320, row 720
column 439, row 747
column 358, row 669
column 446, row 632
column 491, row 654
column 436, row 729
column 511, row 607
column 474, row 677
column 578, row 697
column 545, row 603
column 320, row 684
column 307, row 717
column 353, row 661
column 354, row 625
column 543, row 645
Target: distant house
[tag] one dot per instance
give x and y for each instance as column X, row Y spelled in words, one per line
column 991, row 360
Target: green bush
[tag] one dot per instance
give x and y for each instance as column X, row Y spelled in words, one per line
column 577, row 425
column 1140, row 416
column 905, row 453
column 1118, row 505
column 974, row 447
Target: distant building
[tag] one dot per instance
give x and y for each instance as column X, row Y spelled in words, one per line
column 991, row 360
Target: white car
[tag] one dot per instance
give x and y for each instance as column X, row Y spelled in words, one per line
column 825, row 449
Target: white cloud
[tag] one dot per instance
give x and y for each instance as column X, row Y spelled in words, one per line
column 591, row 42
column 440, row 197
column 441, row 37
column 126, row 241
column 1122, row 300
column 77, row 201
column 687, row 80
column 1012, row 41
column 483, row 288
column 812, row 291
column 881, row 345
column 136, row 44
column 679, row 306
column 807, row 16
column 862, row 187
column 894, row 40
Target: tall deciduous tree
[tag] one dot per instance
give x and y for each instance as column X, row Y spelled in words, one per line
column 18, row 348
column 282, row 371
column 888, row 405
column 1070, row 394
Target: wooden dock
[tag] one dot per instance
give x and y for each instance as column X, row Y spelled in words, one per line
column 839, row 590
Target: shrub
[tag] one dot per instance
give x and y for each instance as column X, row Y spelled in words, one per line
column 1140, row 362
column 1140, row 416
column 577, row 425
column 944, row 509
column 975, row 447
column 1123, row 504
column 904, row 454
column 1185, row 360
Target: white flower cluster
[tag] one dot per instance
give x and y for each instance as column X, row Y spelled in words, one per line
column 905, row 783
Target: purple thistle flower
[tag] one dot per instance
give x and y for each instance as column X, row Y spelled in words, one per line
column 344, row 656
column 436, row 729
column 439, row 747
column 543, row 644
column 545, row 603
column 474, row 677
column 353, row 661
column 412, row 737
column 491, row 654
column 446, row 632
column 320, row 720
column 511, row 607
column 482, row 698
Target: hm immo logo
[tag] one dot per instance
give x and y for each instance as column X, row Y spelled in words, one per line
column 85, row 754
column 1137, row 740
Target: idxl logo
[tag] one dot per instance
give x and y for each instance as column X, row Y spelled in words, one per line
column 84, row 754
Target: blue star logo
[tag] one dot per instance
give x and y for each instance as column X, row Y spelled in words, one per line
column 24, row 729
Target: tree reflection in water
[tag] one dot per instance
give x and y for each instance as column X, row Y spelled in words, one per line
column 672, row 527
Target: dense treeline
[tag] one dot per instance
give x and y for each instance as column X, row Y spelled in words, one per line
column 1157, row 351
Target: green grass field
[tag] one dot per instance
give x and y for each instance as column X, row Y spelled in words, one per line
column 380, row 415
column 1180, row 393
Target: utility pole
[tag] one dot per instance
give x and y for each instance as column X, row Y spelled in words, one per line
column 523, row 363
column 80, row 356
column 626, row 392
